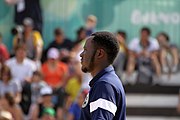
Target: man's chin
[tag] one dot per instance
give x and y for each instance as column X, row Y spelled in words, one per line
column 84, row 70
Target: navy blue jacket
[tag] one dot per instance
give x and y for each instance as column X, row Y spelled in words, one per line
column 106, row 99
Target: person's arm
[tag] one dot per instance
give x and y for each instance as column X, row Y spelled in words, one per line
column 103, row 102
column 18, row 97
column 70, row 116
column 11, row 2
column 17, row 113
column 38, row 53
column 38, row 42
column 33, row 113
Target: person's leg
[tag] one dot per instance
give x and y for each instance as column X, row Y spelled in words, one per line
column 131, row 64
column 163, row 60
column 156, row 64
column 174, row 52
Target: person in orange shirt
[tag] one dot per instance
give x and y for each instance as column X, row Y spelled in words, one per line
column 55, row 74
column 54, row 71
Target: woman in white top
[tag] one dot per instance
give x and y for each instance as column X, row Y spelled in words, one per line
column 8, row 85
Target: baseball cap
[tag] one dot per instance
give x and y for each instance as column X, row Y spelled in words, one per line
column 46, row 91
column 53, row 53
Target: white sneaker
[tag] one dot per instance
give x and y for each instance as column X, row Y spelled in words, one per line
column 174, row 68
column 165, row 69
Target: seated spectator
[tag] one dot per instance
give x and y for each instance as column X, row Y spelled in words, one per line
column 80, row 35
column 75, row 109
column 36, row 110
column 31, row 91
column 8, row 103
column 168, row 50
column 32, row 39
column 21, row 67
column 75, row 80
column 8, row 85
column 36, row 84
column 144, row 48
column 54, row 71
column 90, row 26
column 55, row 74
column 59, row 42
column 120, row 61
column 4, row 54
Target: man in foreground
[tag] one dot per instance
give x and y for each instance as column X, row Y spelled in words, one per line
column 106, row 99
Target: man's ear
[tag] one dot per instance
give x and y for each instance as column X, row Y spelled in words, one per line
column 100, row 53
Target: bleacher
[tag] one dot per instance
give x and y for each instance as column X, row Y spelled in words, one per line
column 153, row 102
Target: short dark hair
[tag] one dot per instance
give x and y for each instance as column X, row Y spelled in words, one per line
column 108, row 42
column 58, row 31
column 20, row 46
column 122, row 33
column 38, row 73
column 81, row 29
column 147, row 30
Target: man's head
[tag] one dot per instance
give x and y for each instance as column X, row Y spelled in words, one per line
column 46, row 94
column 121, row 36
column 91, row 22
column 28, row 25
column 20, row 51
column 145, row 33
column 100, row 48
column 59, row 35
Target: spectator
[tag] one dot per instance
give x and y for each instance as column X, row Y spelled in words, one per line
column 121, row 59
column 36, row 84
column 8, row 103
column 32, row 39
column 21, row 67
column 27, row 8
column 36, row 110
column 4, row 54
column 166, row 48
column 54, row 71
column 31, row 91
column 75, row 109
column 60, row 42
column 81, row 35
column 75, row 80
column 91, row 22
column 8, row 85
column 55, row 75
column 143, row 49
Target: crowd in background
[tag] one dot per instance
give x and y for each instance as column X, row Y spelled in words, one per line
column 48, row 84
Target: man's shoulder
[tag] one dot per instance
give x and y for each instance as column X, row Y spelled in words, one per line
column 110, row 81
column 11, row 61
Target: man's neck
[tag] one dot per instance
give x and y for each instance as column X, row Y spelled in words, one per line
column 98, row 69
column 20, row 61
